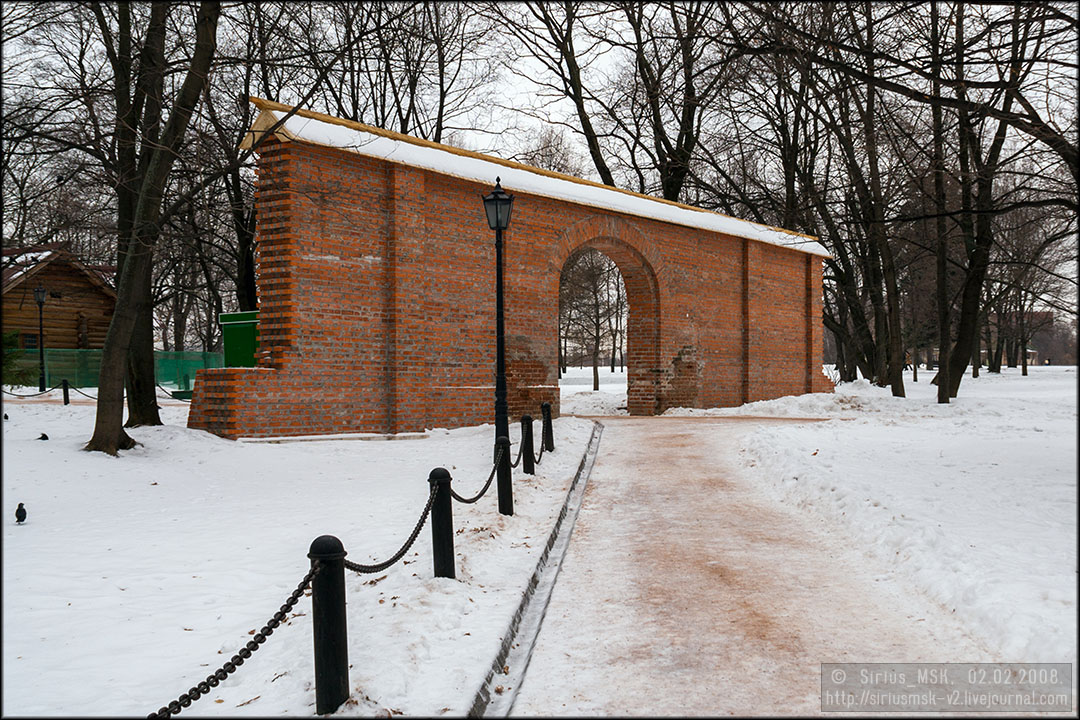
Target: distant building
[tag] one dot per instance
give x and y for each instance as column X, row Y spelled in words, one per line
column 79, row 301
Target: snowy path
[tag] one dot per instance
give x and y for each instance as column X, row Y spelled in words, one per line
column 699, row 595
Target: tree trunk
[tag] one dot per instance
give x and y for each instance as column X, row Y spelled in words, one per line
column 1023, row 350
column 244, row 227
column 181, row 311
column 596, row 366
column 135, row 273
column 976, row 353
column 109, row 435
column 941, row 252
column 999, row 349
column 983, row 238
column 142, row 379
column 894, row 344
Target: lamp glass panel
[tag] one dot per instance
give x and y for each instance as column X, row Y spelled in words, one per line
column 506, row 204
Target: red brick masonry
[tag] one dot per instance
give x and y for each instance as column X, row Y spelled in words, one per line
column 377, row 304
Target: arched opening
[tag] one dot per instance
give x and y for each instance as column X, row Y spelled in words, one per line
column 608, row 331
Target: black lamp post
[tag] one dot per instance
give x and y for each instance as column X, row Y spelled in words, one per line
column 497, row 205
column 39, row 297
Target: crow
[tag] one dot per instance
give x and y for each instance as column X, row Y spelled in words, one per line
column 20, row 514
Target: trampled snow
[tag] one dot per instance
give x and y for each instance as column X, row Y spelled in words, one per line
column 974, row 502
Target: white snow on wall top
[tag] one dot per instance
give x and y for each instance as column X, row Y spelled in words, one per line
column 521, row 179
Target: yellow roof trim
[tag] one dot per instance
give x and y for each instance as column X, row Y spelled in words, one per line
column 261, row 128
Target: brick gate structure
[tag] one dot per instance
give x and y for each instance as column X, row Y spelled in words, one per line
column 376, row 281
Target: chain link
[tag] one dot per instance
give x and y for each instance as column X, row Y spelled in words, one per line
column 367, row 569
column 514, row 464
column 494, row 469
column 169, row 393
column 537, row 459
column 35, row 394
column 92, row 397
column 214, row 679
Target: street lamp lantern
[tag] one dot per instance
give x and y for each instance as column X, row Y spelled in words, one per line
column 39, row 298
column 497, row 205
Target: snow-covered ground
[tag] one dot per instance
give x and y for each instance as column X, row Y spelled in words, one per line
column 135, row 577
column 974, row 502
column 578, row 398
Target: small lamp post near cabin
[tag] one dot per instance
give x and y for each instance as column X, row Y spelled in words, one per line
column 39, row 297
column 497, row 205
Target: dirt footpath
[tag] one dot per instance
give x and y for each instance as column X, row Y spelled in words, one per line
column 685, row 591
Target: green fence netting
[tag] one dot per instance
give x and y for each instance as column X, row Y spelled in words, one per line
column 81, row 367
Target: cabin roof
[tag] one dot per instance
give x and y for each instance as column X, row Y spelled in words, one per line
column 23, row 264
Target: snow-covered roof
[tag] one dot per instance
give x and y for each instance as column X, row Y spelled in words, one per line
column 312, row 127
column 23, row 263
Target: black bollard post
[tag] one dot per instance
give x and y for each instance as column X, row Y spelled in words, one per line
column 528, row 463
column 442, row 524
column 328, row 621
column 67, row 398
column 549, row 435
column 503, row 480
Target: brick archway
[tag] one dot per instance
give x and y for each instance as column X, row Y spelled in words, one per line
column 375, row 274
column 624, row 244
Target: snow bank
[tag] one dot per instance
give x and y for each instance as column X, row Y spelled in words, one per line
column 973, row 502
column 578, row 398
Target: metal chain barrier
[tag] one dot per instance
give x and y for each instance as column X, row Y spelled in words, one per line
column 513, row 464
column 214, row 679
column 170, row 395
column 494, row 468
column 92, row 397
column 35, row 394
column 357, row 567
column 542, row 446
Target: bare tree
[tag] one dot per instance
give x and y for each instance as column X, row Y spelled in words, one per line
column 591, row 296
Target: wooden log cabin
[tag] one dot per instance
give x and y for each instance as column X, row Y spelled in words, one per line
column 79, row 303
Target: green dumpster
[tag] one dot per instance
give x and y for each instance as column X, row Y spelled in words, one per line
column 240, row 334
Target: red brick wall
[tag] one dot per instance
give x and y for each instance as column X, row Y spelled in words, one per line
column 377, row 305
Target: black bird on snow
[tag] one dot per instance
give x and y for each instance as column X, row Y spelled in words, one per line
column 43, row 437
column 20, row 514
